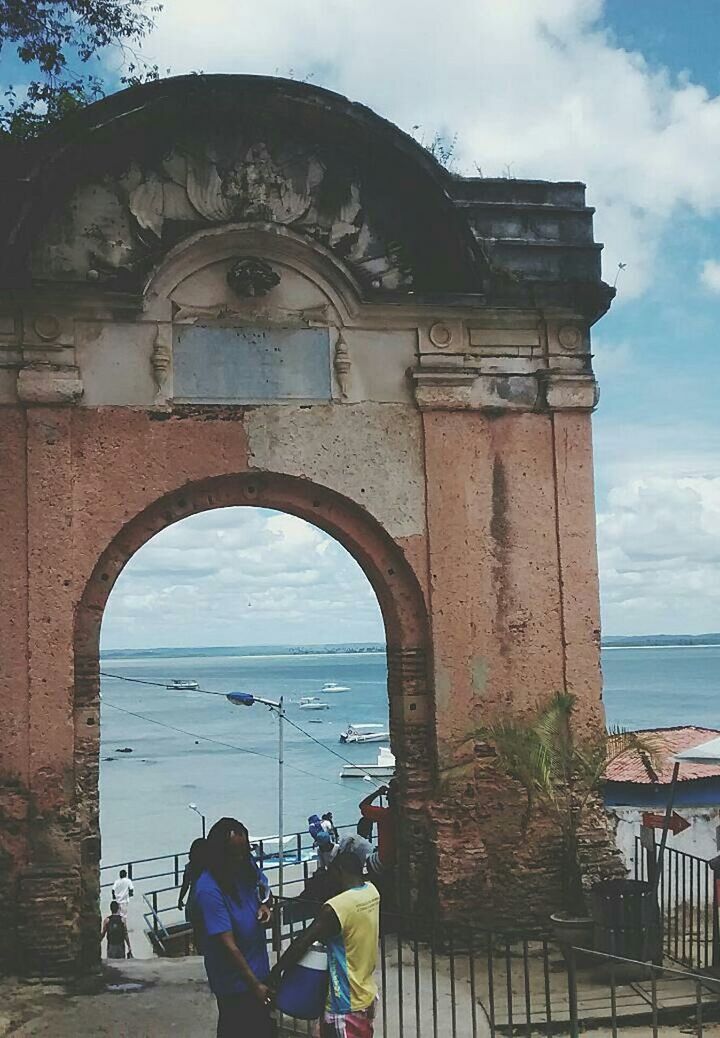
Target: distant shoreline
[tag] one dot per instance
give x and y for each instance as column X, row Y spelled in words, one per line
column 667, row 645
column 661, row 641
column 682, row 641
column 242, row 650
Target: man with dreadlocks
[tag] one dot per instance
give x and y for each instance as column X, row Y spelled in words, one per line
column 233, row 917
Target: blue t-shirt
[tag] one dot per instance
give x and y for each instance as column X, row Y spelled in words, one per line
column 221, row 913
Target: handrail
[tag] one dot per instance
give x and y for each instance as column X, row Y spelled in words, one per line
column 712, row 983
column 303, row 842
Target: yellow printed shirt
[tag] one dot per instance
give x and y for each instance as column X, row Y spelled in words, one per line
column 352, row 955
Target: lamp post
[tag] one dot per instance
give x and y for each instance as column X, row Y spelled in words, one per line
column 196, row 809
column 249, row 699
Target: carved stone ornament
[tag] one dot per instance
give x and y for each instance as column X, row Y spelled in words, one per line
column 161, row 359
column 47, row 327
column 342, row 364
column 440, row 335
column 250, row 277
column 570, row 337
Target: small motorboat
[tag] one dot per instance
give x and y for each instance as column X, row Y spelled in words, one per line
column 330, row 686
column 313, row 703
column 364, row 733
column 181, row 685
column 384, row 768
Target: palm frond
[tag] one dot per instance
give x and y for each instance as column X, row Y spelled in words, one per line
column 554, row 728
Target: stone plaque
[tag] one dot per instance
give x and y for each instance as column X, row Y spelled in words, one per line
column 249, row 365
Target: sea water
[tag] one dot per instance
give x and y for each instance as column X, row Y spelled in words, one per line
column 189, row 747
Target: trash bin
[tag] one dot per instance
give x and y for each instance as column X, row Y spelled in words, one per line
column 626, row 919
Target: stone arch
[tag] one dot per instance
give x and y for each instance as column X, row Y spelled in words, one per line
column 406, row 622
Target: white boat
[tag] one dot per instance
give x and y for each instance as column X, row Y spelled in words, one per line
column 180, row 685
column 313, row 703
column 384, row 768
column 330, row 686
column 364, row 733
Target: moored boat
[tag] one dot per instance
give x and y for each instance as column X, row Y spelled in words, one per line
column 181, row 685
column 364, row 733
column 313, row 703
column 331, row 686
column 384, row 768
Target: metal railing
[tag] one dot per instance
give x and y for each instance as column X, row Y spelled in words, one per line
column 299, row 847
column 451, row 981
column 687, row 896
column 171, row 865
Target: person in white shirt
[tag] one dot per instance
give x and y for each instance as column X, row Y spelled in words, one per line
column 122, row 891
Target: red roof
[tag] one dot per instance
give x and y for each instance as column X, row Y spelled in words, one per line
column 631, row 768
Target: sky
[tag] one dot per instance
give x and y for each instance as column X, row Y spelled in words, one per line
column 622, row 94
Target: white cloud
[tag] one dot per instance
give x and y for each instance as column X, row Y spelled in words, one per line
column 630, row 451
column 534, row 85
column 612, row 358
column 241, row 576
column 710, row 276
column 659, row 549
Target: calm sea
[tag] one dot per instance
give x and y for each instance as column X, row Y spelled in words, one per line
column 144, row 794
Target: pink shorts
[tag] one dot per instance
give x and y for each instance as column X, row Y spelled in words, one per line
column 349, row 1025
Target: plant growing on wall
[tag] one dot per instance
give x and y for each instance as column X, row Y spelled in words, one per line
column 562, row 774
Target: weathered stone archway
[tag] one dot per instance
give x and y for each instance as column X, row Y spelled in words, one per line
column 408, row 657
column 213, row 284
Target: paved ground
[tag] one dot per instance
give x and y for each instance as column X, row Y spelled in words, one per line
column 144, row 999
column 165, row 998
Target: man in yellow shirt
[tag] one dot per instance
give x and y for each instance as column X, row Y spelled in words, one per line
column 348, row 924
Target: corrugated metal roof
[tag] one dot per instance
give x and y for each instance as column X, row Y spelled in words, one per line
column 705, row 753
column 671, row 741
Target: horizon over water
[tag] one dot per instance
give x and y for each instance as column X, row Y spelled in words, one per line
column 144, row 794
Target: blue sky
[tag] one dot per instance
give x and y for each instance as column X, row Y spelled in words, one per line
column 622, row 94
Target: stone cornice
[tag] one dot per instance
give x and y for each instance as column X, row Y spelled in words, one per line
column 454, row 389
column 47, row 384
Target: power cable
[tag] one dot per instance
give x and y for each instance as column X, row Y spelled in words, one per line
column 208, row 692
column 329, row 749
column 219, row 742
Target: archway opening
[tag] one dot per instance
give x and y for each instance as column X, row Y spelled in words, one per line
column 235, row 599
column 172, row 760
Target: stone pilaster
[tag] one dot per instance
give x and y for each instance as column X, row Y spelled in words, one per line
column 51, row 826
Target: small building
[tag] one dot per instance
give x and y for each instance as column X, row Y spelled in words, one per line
column 634, row 786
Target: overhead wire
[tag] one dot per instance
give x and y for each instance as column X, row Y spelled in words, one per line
column 210, row 692
column 219, row 742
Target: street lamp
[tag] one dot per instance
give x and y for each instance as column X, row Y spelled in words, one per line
column 196, row 809
column 249, row 699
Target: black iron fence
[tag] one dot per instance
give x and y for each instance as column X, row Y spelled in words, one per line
column 451, row 981
column 688, row 903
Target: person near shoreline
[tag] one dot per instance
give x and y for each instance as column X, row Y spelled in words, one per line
column 323, row 841
column 233, row 917
column 191, row 874
column 329, row 826
column 349, row 925
column 115, row 930
column 122, row 891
